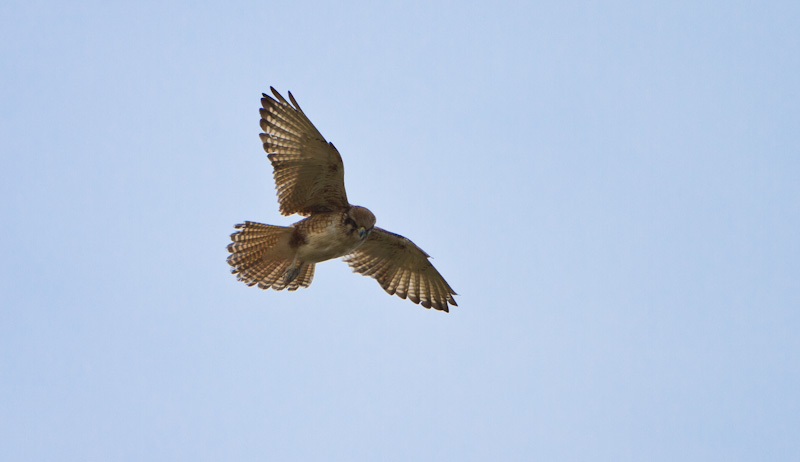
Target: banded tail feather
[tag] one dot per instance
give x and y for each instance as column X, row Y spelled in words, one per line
column 261, row 256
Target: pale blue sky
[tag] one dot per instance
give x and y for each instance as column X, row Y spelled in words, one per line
column 613, row 188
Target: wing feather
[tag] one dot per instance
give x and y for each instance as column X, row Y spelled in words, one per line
column 402, row 269
column 308, row 171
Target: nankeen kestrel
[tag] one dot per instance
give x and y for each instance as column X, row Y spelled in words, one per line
column 309, row 178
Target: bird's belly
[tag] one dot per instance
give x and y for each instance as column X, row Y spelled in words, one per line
column 330, row 242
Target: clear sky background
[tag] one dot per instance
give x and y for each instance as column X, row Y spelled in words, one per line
column 613, row 188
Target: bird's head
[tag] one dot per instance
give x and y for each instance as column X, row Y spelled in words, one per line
column 361, row 220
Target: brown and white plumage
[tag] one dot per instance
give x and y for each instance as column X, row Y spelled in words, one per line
column 309, row 178
column 402, row 269
column 260, row 256
column 308, row 171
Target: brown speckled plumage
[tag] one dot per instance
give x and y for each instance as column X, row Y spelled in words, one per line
column 309, row 179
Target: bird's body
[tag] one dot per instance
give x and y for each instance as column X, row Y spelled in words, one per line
column 321, row 237
column 324, row 236
column 309, row 177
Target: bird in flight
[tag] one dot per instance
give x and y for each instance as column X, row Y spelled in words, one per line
column 309, row 178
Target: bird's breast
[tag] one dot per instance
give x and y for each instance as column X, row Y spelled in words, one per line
column 325, row 241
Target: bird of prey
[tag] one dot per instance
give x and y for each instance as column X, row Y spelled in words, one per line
column 309, row 178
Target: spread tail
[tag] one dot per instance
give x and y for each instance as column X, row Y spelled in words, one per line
column 261, row 255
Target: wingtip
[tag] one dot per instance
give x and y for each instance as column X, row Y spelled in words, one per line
column 294, row 101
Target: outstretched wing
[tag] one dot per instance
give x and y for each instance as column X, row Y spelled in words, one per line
column 401, row 268
column 308, row 171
